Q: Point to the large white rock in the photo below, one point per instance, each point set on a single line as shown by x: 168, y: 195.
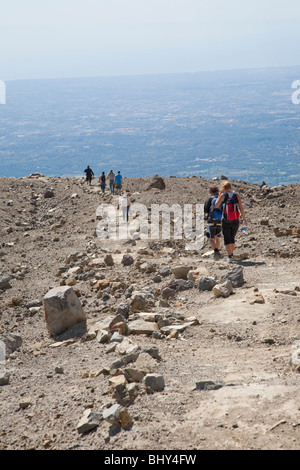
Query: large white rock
x: 62, y: 309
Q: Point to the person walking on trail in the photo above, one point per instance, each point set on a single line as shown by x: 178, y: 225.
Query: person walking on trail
x: 89, y: 175
x: 232, y: 209
x: 214, y: 221
x: 118, y: 182
x: 102, y: 181
x: 111, y: 179
x: 125, y: 207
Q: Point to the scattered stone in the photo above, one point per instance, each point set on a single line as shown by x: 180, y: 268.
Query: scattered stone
x: 153, y: 351
x: 136, y: 375
x: 206, y: 283
x: 90, y: 420
x: 62, y: 309
x: 108, y: 260
x: 142, y: 327
x: 112, y: 414
x: 142, y: 300
x: 257, y: 299
x: 236, y: 277
x: 123, y: 309
x: 157, y: 183
x: 125, y: 419
x: 146, y: 363
x: 264, y: 222
x: 4, y: 283
x: 223, y: 290
x: 167, y: 292
x: 12, y: 342
x: 117, y: 415
x: 4, y: 378
x: 164, y: 271
x: 208, y: 385
x: 127, y: 260
x: 117, y: 380
x: 154, y: 382
x: 48, y: 193
x: 180, y: 272
x: 103, y: 336
x: 177, y: 285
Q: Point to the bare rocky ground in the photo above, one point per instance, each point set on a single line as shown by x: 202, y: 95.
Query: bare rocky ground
x: 229, y: 364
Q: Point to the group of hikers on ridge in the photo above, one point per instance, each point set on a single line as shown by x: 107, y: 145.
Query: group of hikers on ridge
x: 115, y: 187
x: 223, y: 209
x: 115, y: 180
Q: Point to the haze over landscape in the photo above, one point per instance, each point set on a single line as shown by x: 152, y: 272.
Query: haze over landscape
x: 170, y: 87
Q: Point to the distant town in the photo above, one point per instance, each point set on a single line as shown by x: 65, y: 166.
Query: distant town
x: 240, y: 123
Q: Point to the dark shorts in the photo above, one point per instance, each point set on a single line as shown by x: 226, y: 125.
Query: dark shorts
x: 229, y: 230
x: 213, y: 231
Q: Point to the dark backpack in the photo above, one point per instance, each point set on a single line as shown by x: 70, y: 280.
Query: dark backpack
x: 230, y: 210
x: 215, y: 213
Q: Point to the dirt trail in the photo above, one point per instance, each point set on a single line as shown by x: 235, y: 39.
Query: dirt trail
x: 241, y: 345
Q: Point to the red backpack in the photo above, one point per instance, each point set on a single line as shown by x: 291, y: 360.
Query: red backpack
x: 230, y: 211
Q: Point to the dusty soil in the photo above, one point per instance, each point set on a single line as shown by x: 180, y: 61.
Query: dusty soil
x: 244, y: 346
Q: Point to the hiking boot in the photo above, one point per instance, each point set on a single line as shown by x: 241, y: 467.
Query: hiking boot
x: 217, y: 255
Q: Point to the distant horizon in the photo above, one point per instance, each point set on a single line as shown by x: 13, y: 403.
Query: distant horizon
x: 83, y: 77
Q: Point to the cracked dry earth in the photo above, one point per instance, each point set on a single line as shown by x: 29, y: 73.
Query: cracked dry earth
x: 242, y: 345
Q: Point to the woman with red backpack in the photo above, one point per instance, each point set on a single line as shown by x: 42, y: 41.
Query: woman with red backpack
x: 232, y: 209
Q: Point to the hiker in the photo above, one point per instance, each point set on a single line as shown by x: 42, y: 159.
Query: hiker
x: 118, y: 182
x: 102, y: 180
x: 111, y: 179
x: 232, y: 209
x: 214, y: 223
x: 89, y: 175
x: 125, y: 203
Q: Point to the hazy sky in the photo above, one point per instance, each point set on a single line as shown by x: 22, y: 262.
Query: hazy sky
x: 83, y: 38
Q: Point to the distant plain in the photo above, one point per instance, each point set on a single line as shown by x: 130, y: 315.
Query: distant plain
x: 239, y: 123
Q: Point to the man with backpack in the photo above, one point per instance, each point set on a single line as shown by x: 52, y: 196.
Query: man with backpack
x: 232, y: 209
x: 89, y: 175
x: 214, y: 221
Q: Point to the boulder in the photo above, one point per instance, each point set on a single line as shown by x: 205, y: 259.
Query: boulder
x: 117, y: 415
x: 164, y: 271
x: 167, y: 292
x: 123, y: 309
x: 108, y: 260
x: 48, y: 193
x: 236, y: 277
x: 4, y: 282
x: 11, y: 342
x: 178, y: 285
x: 90, y: 420
x: 223, y: 290
x: 206, y: 283
x: 62, y: 309
x: 4, y: 378
x: 154, y: 382
x: 157, y: 183
x: 127, y: 260
x: 142, y: 327
x: 180, y: 272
